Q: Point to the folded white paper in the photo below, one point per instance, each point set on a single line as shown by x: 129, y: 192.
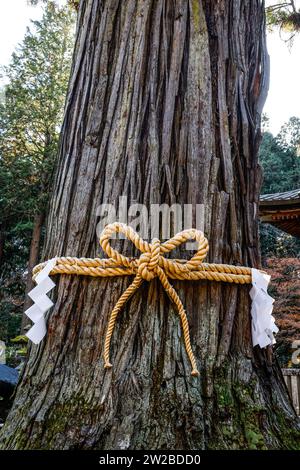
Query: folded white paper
x: 263, y: 323
x: 42, y: 303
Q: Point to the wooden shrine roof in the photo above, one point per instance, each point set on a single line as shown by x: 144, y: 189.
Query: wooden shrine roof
x: 282, y: 210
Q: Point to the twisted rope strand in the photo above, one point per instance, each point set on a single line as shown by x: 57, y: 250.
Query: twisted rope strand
x: 113, y: 316
x: 184, y: 321
x: 212, y: 272
x: 149, y: 265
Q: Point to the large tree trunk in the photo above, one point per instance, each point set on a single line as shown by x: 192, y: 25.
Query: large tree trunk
x: 34, y: 253
x: 164, y: 106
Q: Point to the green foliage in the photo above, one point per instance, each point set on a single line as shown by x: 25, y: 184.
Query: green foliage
x: 19, y: 339
x: 279, y: 158
x: 72, y: 3
x: 284, y: 15
x: 278, y: 244
x: 10, y: 317
x: 289, y: 137
x: 31, y: 113
x: 30, y: 118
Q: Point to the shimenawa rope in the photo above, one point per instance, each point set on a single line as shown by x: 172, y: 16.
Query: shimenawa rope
x: 149, y: 265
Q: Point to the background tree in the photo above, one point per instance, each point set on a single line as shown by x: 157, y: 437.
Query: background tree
x: 30, y: 119
x: 164, y: 105
x: 280, y: 160
x: 286, y: 16
x: 289, y: 139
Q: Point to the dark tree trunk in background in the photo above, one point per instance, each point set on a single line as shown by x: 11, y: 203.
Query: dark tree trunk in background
x: 33, y: 261
x: 164, y: 106
x: 2, y: 241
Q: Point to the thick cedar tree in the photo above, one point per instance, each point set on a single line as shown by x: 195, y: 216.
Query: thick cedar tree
x: 164, y: 106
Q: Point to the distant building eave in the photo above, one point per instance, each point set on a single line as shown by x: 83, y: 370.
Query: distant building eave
x: 282, y: 210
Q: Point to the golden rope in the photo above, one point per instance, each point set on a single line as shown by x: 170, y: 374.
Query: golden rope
x: 149, y: 265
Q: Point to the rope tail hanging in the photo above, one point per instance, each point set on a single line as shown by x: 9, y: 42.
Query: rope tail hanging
x: 149, y: 265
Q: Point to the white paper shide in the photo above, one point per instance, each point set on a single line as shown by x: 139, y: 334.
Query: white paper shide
x: 263, y: 322
x: 42, y: 303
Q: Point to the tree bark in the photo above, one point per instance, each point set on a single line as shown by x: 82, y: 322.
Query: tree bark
x: 33, y: 261
x: 164, y: 106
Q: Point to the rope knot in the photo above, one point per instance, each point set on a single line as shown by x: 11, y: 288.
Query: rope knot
x: 149, y: 265
x: 148, y: 262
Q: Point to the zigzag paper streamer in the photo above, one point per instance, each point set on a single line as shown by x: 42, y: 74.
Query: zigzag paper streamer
x: 263, y: 322
x: 42, y: 303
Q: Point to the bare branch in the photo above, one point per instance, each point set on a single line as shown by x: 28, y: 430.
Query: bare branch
x: 278, y: 6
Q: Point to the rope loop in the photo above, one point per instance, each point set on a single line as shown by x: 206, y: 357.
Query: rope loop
x: 149, y: 265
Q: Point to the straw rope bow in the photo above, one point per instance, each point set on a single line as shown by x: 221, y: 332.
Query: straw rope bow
x: 149, y: 265
x: 152, y: 264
